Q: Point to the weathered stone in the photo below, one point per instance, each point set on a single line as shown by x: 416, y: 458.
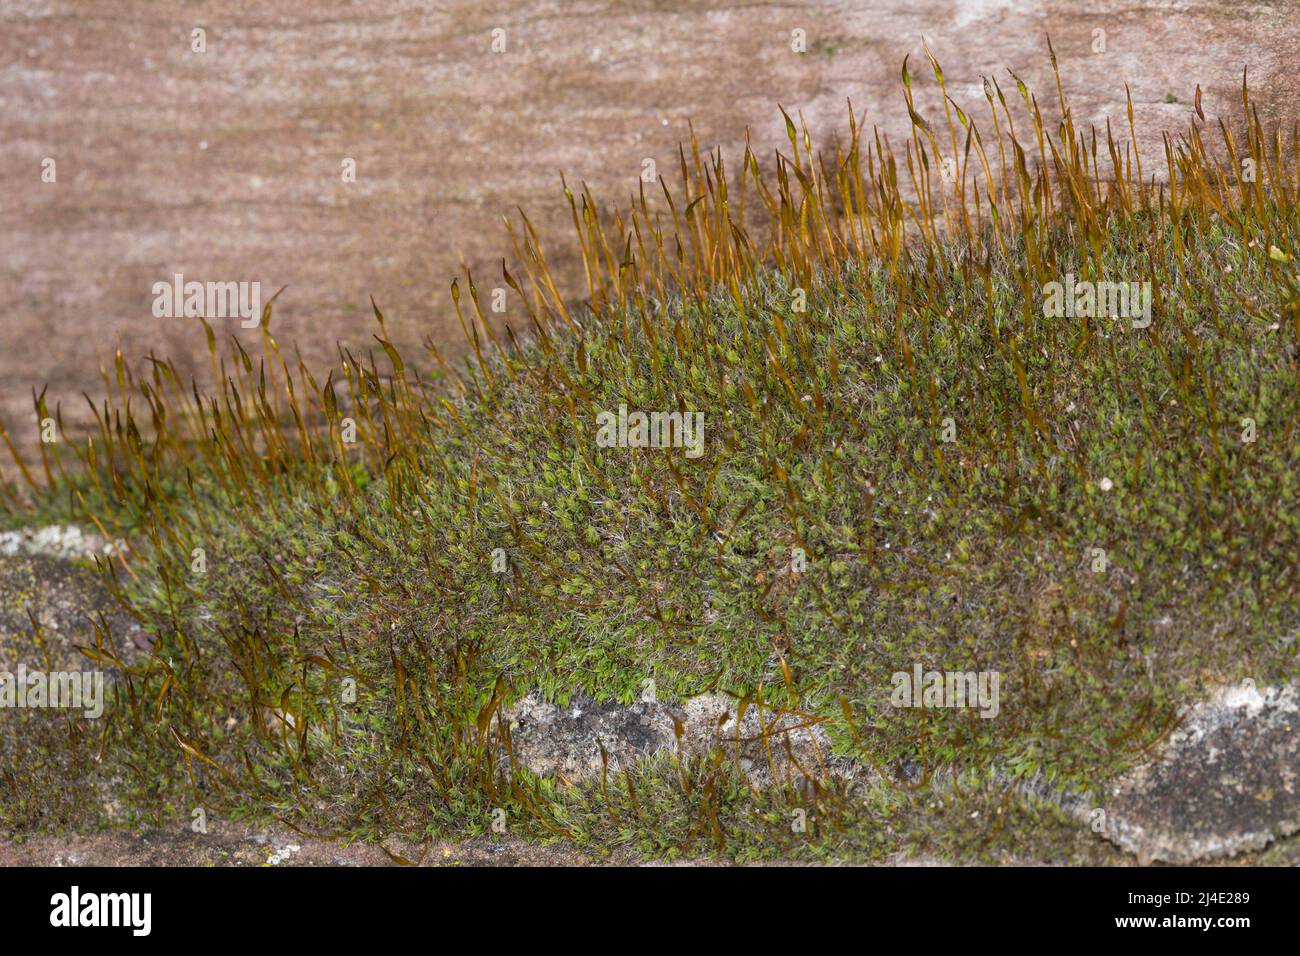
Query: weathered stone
x: 65, y: 599
x: 567, y: 741
x: 1226, y: 782
x: 768, y: 747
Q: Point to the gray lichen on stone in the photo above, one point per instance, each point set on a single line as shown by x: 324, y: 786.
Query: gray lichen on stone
x: 768, y: 747
x: 1224, y: 783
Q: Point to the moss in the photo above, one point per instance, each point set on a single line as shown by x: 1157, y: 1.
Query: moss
x: 335, y: 627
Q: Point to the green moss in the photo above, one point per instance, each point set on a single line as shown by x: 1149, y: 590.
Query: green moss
x: 328, y: 565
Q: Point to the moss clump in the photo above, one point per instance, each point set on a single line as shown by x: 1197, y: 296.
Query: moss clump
x: 906, y: 461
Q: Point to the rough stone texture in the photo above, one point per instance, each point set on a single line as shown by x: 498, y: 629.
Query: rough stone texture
x: 566, y: 741
x: 768, y: 749
x: 1226, y: 782
x: 65, y: 598
x: 226, y: 165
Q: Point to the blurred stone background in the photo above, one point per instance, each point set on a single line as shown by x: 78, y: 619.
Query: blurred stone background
x: 225, y: 165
